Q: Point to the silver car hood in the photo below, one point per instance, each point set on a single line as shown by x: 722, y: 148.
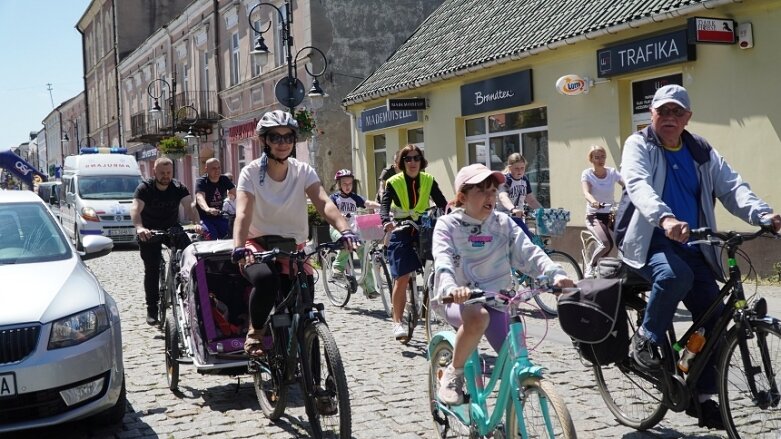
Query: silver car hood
x: 46, y: 291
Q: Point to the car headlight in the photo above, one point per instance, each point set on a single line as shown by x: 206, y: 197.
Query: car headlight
x: 78, y: 328
x: 89, y: 214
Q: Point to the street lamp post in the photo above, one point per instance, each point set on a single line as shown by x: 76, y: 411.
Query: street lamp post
x: 74, y: 124
x: 156, y: 93
x: 289, y: 91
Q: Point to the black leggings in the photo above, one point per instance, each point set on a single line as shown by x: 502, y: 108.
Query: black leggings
x: 269, y: 288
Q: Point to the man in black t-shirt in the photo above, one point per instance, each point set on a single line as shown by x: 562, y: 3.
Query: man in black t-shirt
x: 156, y: 207
x: 386, y: 173
x: 211, y: 190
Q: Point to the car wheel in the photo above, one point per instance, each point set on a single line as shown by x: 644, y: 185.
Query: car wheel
x: 116, y: 413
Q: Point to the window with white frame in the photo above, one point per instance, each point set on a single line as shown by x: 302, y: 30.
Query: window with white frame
x: 205, y: 71
x: 234, y: 59
x: 491, y: 139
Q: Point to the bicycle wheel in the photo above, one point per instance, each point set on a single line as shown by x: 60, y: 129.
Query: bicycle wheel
x: 544, y: 412
x: 382, y: 282
x: 548, y: 302
x: 329, y: 408
x: 439, y: 359
x: 435, y: 321
x: 269, y: 380
x: 748, y: 414
x: 632, y: 395
x: 412, y: 307
x: 172, y: 351
x: 337, y: 289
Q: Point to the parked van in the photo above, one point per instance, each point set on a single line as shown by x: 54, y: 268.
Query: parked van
x: 98, y: 193
x: 50, y: 194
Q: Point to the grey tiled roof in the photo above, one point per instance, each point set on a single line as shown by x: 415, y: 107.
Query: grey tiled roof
x: 463, y: 35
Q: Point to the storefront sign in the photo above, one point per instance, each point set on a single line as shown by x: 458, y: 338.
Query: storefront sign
x: 245, y: 130
x: 498, y: 93
x: 711, y: 30
x: 380, y: 117
x: 406, y: 104
x: 643, y: 91
x: 644, y: 54
x: 571, y: 85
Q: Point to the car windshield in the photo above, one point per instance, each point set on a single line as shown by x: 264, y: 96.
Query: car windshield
x: 115, y: 187
x: 29, y: 234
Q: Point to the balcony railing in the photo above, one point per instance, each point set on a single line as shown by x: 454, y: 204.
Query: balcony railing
x: 149, y: 129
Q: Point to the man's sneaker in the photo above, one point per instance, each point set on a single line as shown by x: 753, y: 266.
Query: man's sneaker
x: 371, y: 294
x: 400, y: 332
x: 451, y: 387
x: 591, y: 272
x: 709, y: 414
x: 644, y: 352
x: 151, y: 317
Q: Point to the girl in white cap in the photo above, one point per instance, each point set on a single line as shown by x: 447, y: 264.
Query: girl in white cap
x: 476, y: 247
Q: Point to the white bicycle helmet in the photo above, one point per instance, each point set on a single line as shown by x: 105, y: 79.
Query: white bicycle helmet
x: 343, y: 173
x: 276, y: 118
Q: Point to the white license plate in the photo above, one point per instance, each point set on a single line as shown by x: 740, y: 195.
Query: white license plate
x: 7, y: 384
x: 120, y: 232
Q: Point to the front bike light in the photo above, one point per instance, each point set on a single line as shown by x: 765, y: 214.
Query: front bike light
x: 759, y: 307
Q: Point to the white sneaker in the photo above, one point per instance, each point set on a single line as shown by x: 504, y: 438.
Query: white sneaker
x: 451, y: 387
x: 400, y: 332
x: 337, y: 275
x: 591, y: 272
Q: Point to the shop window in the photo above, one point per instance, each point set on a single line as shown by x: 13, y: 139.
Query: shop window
x: 380, y: 157
x: 523, y: 132
x: 415, y: 137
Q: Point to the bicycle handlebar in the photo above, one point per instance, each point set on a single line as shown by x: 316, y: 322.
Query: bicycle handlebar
x: 705, y: 235
x: 504, y: 297
x: 270, y: 255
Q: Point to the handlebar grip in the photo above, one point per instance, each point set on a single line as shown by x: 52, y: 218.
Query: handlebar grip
x: 473, y: 295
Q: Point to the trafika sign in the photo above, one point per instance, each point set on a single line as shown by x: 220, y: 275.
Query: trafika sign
x: 572, y: 85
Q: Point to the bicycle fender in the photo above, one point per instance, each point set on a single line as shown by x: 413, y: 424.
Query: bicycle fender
x: 448, y: 336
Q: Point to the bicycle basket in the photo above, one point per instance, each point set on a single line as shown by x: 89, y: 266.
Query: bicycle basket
x: 552, y: 222
x: 369, y: 227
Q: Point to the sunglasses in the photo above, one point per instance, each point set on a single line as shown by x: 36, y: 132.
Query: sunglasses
x: 412, y: 158
x: 278, y: 138
x: 667, y: 111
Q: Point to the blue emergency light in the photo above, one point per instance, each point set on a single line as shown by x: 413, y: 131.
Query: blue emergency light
x: 102, y: 150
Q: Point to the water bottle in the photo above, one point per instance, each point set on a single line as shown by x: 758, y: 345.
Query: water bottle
x: 693, y: 347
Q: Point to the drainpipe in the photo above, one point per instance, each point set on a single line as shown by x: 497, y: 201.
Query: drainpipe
x: 120, y: 133
x: 218, y: 78
x: 84, y: 79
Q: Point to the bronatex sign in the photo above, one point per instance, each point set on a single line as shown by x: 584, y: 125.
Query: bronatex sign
x: 497, y: 93
x: 660, y: 50
x: 380, y: 117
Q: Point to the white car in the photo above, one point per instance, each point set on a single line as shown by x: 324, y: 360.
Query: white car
x: 60, y: 337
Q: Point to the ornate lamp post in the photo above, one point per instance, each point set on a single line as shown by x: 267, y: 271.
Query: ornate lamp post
x: 187, y: 114
x: 289, y: 91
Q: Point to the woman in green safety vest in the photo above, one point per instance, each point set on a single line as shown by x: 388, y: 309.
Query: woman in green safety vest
x: 407, y: 195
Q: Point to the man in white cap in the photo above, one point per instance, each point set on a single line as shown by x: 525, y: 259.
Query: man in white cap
x: 672, y: 179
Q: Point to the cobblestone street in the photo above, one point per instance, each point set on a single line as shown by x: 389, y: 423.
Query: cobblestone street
x: 387, y: 380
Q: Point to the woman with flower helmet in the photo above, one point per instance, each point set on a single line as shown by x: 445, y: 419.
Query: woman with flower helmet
x: 348, y: 203
x: 271, y: 202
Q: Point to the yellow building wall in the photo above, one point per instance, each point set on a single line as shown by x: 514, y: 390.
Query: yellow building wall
x: 735, y: 101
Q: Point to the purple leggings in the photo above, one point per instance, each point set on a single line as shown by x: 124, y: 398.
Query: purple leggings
x: 497, y: 327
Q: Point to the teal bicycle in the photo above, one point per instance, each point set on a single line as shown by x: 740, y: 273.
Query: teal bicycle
x: 527, y: 405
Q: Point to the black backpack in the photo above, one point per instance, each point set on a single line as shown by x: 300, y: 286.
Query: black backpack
x: 593, y: 316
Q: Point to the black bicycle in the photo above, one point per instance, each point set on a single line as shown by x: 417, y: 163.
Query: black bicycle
x: 748, y: 343
x: 169, y: 267
x: 302, y: 349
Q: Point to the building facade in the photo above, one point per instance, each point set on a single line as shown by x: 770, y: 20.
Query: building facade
x: 550, y: 81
